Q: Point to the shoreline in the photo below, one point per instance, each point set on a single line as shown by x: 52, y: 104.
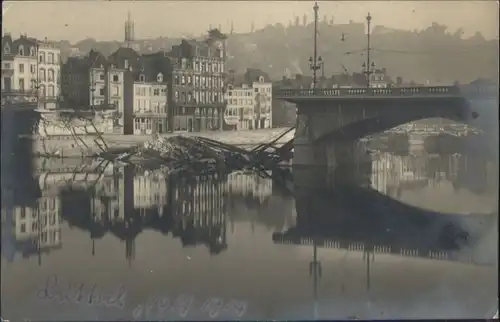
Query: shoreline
x: 66, y: 146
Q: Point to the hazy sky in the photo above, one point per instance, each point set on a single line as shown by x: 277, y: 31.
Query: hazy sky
x: 103, y: 20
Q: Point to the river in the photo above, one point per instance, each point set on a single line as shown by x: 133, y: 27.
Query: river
x: 83, y: 241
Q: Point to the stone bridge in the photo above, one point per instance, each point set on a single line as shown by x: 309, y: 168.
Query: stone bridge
x: 326, y: 117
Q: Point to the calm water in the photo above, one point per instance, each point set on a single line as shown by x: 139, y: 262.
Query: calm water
x: 94, y: 242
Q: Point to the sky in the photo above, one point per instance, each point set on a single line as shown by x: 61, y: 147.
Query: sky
x: 103, y: 20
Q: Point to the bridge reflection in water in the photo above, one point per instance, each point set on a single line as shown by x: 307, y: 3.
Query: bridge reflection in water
x: 363, y: 214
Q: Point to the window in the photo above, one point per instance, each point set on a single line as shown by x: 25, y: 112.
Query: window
x: 51, y: 75
x: 183, y: 80
x: 50, y: 58
x: 101, y: 76
x: 101, y: 91
x: 6, y: 49
x: 176, y: 95
x: 116, y: 90
x: 156, y: 92
x: 33, y: 69
x: 21, y: 68
x: 50, y: 90
x: 21, y: 50
x: 32, y: 51
x: 42, y: 58
x: 23, y: 228
x: 159, y: 78
x: 42, y: 74
x: 116, y: 103
x: 21, y: 84
x: 116, y: 78
x: 42, y: 90
x: 126, y: 63
x: 189, y: 80
x: 141, y: 78
x: 137, y: 91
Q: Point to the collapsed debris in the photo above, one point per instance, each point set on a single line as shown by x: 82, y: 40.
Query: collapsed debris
x: 199, y: 155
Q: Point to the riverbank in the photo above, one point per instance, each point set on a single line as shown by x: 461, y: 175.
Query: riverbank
x: 87, y: 145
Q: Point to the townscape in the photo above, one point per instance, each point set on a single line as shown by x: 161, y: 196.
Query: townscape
x: 311, y: 169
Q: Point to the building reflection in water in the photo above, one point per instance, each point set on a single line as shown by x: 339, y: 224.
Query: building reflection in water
x: 391, y: 174
x: 123, y: 202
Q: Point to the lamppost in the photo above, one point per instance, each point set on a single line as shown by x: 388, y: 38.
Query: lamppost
x: 315, y: 62
x: 369, y: 65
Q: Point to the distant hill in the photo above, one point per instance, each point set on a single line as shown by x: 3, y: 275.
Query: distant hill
x: 433, y: 54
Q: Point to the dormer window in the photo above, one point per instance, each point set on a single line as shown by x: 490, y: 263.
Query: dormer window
x: 159, y: 78
x: 142, y: 78
x: 102, y: 66
x: 126, y: 63
x: 21, y: 50
x: 261, y: 79
x: 6, y: 49
x: 32, y: 51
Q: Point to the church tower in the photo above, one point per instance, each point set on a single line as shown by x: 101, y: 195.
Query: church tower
x: 129, y: 30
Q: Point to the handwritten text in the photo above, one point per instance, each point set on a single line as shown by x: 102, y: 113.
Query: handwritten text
x: 79, y: 293
x: 158, y: 308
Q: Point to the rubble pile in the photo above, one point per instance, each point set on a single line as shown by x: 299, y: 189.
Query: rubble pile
x: 195, y: 155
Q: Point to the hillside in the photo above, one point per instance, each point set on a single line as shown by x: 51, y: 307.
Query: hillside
x: 433, y: 54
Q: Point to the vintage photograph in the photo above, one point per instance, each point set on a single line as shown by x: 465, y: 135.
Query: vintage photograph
x: 249, y: 160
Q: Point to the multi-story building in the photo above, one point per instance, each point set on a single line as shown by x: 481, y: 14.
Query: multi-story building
x: 250, y: 101
x: 198, y: 83
x: 83, y: 81
x: 380, y: 79
x: 49, y: 75
x: 19, y: 68
x: 31, y: 70
x: 97, y: 82
x: 239, y: 106
x: 151, y: 94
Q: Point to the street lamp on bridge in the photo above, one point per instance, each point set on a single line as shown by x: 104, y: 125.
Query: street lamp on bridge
x: 315, y: 62
x: 369, y: 66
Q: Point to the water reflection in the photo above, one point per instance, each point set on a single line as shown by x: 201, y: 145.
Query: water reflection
x: 140, y: 224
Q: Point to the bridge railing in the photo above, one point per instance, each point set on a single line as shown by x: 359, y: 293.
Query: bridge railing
x: 369, y: 92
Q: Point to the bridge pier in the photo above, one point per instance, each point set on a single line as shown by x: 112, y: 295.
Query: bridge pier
x: 328, y: 165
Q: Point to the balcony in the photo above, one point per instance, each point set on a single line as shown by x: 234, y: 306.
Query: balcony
x: 7, y: 71
x: 142, y: 113
x: 19, y: 92
x: 50, y: 99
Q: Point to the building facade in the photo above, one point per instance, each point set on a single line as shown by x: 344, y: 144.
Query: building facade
x: 49, y: 75
x: 198, y: 83
x: 249, y: 102
x: 240, y: 106
x: 380, y: 79
x: 19, y: 69
x: 152, y: 94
